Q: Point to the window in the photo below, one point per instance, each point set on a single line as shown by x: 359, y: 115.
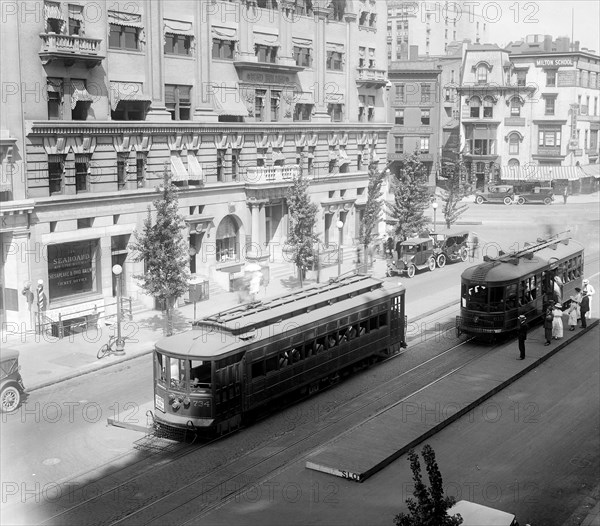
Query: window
x: 55, y: 176
x: 515, y: 107
x: 259, y: 104
x: 302, y: 56
x: 475, y: 104
x: 361, y: 108
x: 123, y: 37
x: 121, y: 172
x: 267, y: 4
x: 227, y: 240
x: 549, y: 137
x: 335, y: 112
x: 399, y: 118
x: 75, y: 19
x: 482, y: 74
x: 178, y: 102
x: 55, y: 98
x: 424, y: 144
x: 302, y: 112
x: 371, y: 108
x: 334, y: 60
x: 399, y: 144
x: 551, y: 78
x: 221, y: 164
x: 235, y: 162
x: 275, y: 103
x: 303, y: 7
x: 73, y: 259
x: 223, y: 49
x: 488, y: 108
x: 364, y: 17
x: 425, y: 93
x: 82, y: 173
x: 266, y: 53
x: 425, y: 117
x: 399, y: 92
x: 373, y: 20
x: 513, y: 144
x: 177, y: 44
x: 140, y: 169
x: 129, y: 110
x: 521, y: 77
x: 482, y: 146
x: 549, y: 106
x: 595, y: 106
x: 85, y: 222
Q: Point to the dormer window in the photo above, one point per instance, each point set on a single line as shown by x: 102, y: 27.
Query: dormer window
x: 482, y: 74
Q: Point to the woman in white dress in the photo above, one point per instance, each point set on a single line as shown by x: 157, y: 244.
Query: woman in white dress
x: 557, y: 324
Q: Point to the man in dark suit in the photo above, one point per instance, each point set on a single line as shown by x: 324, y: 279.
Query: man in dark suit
x: 522, y: 334
x: 584, y: 307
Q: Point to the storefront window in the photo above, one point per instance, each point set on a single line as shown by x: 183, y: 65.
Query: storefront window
x: 72, y: 268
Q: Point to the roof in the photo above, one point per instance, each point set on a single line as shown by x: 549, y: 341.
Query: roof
x: 477, y: 515
x: 415, y: 241
x: 8, y: 354
x: 507, y: 268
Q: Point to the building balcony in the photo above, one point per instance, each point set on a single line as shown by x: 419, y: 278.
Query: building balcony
x: 549, y: 151
x: 271, y: 174
x: 70, y: 49
x: 591, y: 153
x: 371, y: 78
x: 250, y: 62
x: 514, y: 121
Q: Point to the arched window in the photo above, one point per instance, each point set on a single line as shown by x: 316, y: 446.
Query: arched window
x: 475, y: 104
x: 514, y: 163
x: 482, y: 74
x: 513, y: 144
x: 227, y: 240
x: 488, y: 108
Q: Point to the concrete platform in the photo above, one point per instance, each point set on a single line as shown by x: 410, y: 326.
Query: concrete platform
x: 136, y: 421
x: 367, y: 448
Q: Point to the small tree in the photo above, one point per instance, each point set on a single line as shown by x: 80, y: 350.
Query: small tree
x: 411, y: 198
x: 456, y: 189
x: 430, y: 506
x: 303, y: 221
x: 372, y: 215
x: 164, y: 250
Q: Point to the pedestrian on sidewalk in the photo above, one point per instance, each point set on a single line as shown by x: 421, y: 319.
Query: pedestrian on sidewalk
x: 572, y: 311
x: 590, y: 291
x: 585, y: 308
x: 577, y: 300
x: 565, y: 194
x: 557, y: 324
x: 522, y: 334
x: 548, y: 319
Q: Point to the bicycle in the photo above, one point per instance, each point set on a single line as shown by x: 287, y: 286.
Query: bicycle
x: 111, y: 346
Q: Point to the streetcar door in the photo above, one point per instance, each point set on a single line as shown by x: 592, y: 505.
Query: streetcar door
x: 229, y: 386
x: 397, y: 320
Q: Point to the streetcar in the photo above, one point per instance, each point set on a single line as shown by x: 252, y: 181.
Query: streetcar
x: 496, y: 292
x: 215, y: 377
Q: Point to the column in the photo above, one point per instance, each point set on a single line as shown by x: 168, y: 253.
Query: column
x: 254, y: 207
x: 248, y: 15
x: 285, y: 56
x: 203, y: 110
x: 320, y: 11
x: 262, y: 225
x: 351, y: 108
x: 155, y: 65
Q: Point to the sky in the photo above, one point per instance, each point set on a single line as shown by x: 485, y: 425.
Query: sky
x: 518, y: 18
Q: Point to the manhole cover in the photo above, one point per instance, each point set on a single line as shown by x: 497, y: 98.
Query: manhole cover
x: 51, y: 461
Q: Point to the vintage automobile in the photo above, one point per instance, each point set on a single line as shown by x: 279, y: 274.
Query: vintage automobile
x: 11, y: 383
x: 533, y: 193
x: 450, y: 247
x: 412, y: 255
x: 501, y: 193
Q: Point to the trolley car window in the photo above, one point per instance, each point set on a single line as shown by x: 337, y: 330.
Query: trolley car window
x: 511, y: 296
x: 478, y: 297
x: 161, y: 369
x: 258, y: 369
x: 496, y: 299
x: 177, y: 377
x: 199, y: 374
x: 382, y: 320
x: 271, y: 364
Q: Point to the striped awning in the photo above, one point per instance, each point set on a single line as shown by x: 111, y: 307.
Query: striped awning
x: 591, y: 170
x: 52, y: 10
x: 126, y: 91
x: 226, y: 101
x: 178, y: 27
x: 541, y: 173
x: 194, y: 168
x: 178, y: 171
x: 343, y: 159
x: 125, y: 19
x: 79, y: 93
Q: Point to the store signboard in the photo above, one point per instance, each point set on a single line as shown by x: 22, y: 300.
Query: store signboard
x: 553, y: 62
x: 71, y: 268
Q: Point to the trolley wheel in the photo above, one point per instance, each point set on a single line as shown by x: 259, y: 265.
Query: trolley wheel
x: 464, y: 254
x: 10, y: 399
x: 441, y: 261
x: 547, y: 200
x: 507, y: 201
x: 521, y: 201
x: 431, y: 263
x: 103, y: 351
x: 479, y: 200
x: 411, y: 271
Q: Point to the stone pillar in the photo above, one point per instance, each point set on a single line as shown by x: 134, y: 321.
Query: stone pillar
x: 350, y: 108
x: 203, y: 110
x: 254, y: 207
x: 248, y: 15
x: 155, y: 61
x: 287, y: 15
x: 321, y: 11
x: 262, y: 225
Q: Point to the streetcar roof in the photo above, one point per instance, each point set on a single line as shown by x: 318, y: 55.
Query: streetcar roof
x: 415, y: 241
x: 209, y: 342
x: 8, y: 354
x: 506, y: 268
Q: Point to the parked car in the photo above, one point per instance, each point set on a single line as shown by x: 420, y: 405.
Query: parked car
x: 450, y: 247
x: 412, y: 255
x: 11, y: 383
x: 534, y: 193
x: 501, y: 193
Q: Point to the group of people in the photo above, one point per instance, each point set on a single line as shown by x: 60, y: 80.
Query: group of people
x: 579, y: 309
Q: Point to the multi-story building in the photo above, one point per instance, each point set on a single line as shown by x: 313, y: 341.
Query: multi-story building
x: 414, y: 110
x: 98, y: 99
x: 432, y: 26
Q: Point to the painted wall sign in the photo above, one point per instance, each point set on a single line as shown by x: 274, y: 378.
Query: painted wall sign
x: 71, y: 268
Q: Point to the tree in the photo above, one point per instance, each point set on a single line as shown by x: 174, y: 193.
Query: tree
x: 163, y: 248
x: 430, y: 506
x: 303, y: 220
x: 370, y: 220
x: 457, y: 188
x: 411, y: 198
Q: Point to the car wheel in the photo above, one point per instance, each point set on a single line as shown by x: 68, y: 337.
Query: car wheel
x: 547, y: 200
x: 431, y: 263
x: 507, y: 201
x: 479, y: 200
x: 441, y: 260
x: 10, y: 399
x: 411, y: 271
x: 464, y: 254
x: 521, y: 200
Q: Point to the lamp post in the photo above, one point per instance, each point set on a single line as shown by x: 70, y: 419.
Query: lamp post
x: 118, y: 271
x: 340, y: 226
x: 434, y: 205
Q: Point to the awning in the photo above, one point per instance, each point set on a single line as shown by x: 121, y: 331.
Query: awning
x: 541, y: 173
x: 79, y: 93
x: 226, y: 101
x: 52, y: 10
x: 54, y: 85
x: 177, y: 27
x: 76, y: 12
x: 304, y: 97
x: 194, y: 168
x: 278, y: 156
x: 178, y: 171
x: 266, y: 39
x: 223, y: 33
x: 301, y: 42
x: 343, y: 159
x: 332, y: 46
x: 126, y: 91
x: 591, y: 170
x: 125, y: 19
